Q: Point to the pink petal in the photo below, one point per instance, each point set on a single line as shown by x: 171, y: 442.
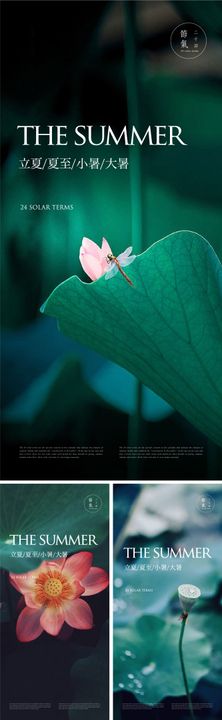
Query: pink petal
x: 28, y: 626
x: 23, y: 583
x: 91, y: 247
x: 13, y: 581
x: 52, y: 564
x: 91, y: 265
x: 30, y: 600
x: 52, y: 620
x: 47, y: 565
x: 105, y: 266
x: 76, y: 587
x: 79, y: 565
x: 96, y: 581
x: 79, y: 615
x: 106, y: 249
x: 20, y: 603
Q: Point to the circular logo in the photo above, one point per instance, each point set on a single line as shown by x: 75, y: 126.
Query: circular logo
x: 188, y: 41
x: 206, y: 503
x: 92, y: 503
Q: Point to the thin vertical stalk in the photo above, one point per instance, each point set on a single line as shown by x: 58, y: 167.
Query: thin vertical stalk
x: 135, y: 175
x: 183, y: 623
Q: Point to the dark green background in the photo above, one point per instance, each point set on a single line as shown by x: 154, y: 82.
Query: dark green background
x: 63, y: 63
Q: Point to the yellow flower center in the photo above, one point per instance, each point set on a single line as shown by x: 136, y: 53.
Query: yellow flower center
x: 53, y: 587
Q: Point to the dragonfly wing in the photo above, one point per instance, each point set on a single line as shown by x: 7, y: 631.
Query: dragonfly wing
x: 124, y: 255
x: 127, y: 260
x: 113, y: 270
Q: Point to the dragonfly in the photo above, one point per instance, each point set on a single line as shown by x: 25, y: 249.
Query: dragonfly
x: 116, y: 264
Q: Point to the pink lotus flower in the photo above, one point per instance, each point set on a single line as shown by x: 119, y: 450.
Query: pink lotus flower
x: 93, y: 258
x: 52, y: 594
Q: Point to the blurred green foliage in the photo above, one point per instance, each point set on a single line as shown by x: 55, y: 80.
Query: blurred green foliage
x: 146, y: 659
x: 36, y: 509
x: 199, y: 12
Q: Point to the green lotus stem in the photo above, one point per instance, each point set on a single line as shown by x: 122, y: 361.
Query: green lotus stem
x: 183, y: 623
x: 135, y: 176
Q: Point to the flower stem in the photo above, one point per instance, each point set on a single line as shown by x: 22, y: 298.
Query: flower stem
x: 135, y: 177
x: 183, y: 623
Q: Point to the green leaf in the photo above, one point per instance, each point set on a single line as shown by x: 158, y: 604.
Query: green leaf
x: 59, y: 509
x: 146, y: 659
x: 166, y: 329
